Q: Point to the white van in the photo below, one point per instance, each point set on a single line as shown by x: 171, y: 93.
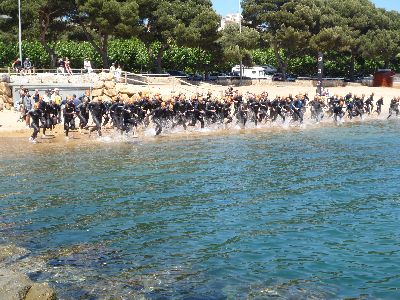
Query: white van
x: 257, y: 72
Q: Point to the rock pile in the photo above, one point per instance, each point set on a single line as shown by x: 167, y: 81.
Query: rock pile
x: 6, y: 101
x: 106, y: 88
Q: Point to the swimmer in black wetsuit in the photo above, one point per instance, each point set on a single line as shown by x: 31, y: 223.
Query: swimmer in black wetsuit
x: 35, y: 115
x: 394, y: 107
x: 69, y: 114
x: 158, y: 115
x: 97, y: 109
x: 379, y: 105
x: 82, y: 112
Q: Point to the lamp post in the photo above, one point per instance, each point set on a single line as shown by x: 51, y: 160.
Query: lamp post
x: 19, y: 31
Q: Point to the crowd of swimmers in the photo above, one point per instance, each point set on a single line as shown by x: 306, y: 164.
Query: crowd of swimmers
x: 128, y: 115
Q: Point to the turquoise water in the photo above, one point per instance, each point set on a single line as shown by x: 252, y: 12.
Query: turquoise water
x: 288, y: 214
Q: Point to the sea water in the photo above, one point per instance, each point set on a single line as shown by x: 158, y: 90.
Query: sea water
x: 309, y: 213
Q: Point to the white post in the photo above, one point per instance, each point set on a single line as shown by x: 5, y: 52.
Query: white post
x: 19, y: 32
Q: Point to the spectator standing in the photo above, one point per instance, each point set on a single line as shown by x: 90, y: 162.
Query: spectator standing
x: 27, y: 66
x: 87, y: 66
x: 112, y: 68
x: 27, y: 101
x: 61, y: 66
x: 67, y: 66
x: 117, y: 74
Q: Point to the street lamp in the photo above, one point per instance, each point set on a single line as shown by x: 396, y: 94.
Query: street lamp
x: 19, y: 31
x: 5, y: 17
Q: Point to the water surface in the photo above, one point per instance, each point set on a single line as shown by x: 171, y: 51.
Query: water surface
x: 300, y: 214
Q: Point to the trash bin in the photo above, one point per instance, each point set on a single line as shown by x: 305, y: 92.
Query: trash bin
x: 383, y: 78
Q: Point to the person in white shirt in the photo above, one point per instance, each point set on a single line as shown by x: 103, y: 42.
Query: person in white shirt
x: 117, y: 74
x: 112, y: 68
x: 87, y: 66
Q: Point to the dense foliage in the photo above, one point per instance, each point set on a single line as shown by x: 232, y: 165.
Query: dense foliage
x: 156, y: 35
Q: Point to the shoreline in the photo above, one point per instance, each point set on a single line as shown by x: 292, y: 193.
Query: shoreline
x: 10, y: 127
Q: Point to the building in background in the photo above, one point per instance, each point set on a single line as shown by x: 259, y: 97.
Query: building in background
x: 230, y: 19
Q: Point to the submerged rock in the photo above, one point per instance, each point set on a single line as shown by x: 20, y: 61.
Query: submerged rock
x: 41, y: 291
x: 9, y: 253
x: 13, y: 285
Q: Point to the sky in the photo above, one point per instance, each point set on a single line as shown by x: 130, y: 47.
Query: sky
x: 224, y: 7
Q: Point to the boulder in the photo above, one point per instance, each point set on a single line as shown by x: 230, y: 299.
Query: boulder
x: 130, y: 90
x: 110, y: 92
x: 41, y: 291
x: 97, y: 92
x: 8, y: 106
x: 7, y: 99
x: 109, y: 85
x: 106, y: 98
x: 13, y: 285
x: 106, y: 76
x: 124, y: 97
x: 5, y: 89
x: 98, y: 85
x: 120, y: 86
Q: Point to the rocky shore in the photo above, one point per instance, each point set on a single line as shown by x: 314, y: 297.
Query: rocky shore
x: 14, y: 283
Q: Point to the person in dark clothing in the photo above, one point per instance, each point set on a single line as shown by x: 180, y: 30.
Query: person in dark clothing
x: 97, y: 109
x: 69, y: 115
x: 116, y: 114
x: 369, y: 104
x: 242, y: 114
x: 82, y: 112
x: 35, y: 115
x: 158, y: 115
x: 394, y: 107
x: 198, y: 111
x: 338, y: 110
x: 379, y: 105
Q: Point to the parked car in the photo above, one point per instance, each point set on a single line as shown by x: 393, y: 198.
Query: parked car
x: 178, y: 74
x: 195, y: 77
x: 216, y: 75
x: 279, y: 77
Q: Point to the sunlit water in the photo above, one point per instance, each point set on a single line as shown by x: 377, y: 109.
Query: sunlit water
x: 300, y: 214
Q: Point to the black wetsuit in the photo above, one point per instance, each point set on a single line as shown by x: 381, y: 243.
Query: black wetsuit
x: 394, y: 107
x: 83, y: 114
x: 69, y: 111
x: 379, y: 104
x: 97, y: 110
x: 35, y: 115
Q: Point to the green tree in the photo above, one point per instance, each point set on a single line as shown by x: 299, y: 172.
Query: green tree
x: 237, y: 43
x: 285, y: 24
x: 191, y: 23
x: 381, y: 45
x: 102, y: 19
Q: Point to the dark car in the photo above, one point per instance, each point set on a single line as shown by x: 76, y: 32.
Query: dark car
x: 279, y: 77
x: 195, y: 77
x: 178, y: 74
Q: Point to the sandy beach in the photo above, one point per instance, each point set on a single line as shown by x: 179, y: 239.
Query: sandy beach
x: 11, y: 126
